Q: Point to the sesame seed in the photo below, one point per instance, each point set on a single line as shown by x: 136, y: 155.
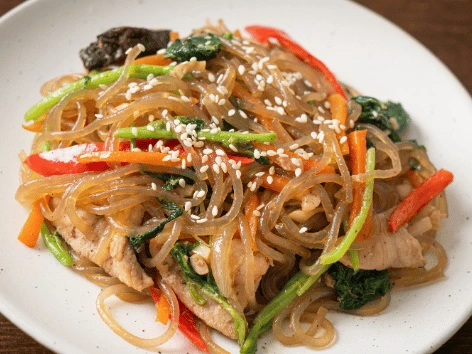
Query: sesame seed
x: 203, y: 169
x: 278, y: 100
x: 224, y: 168
x: 253, y: 187
x: 259, y: 174
x: 313, y: 135
x: 241, y: 69
x: 272, y: 170
x: 295, y: 161
x: 201, y: 193
x: 220, y: 152
x: 134, y: 131
x: 271, y: 66
x: 195, y: 217
x: 211, y: 77
x: 270, y: 179
x: 270, y: 79
x: 189, y: 157
x: 293, y: 146
x: 184, y: 164
x: 185, y: 98
x: 214, y: 211
x: 204, y: 158
x: 256, y: 213
x: 161, y: 51
x: 154, y: 186
x: 303, y: 230
x: 249, y: 50
x: 267, y: 102
x: 167, y: 158
x: 128, y: 95
x: 298, y: 172
x: 221, y: 102
x: 260, y: 206
x: 238, y: 174
x: 280, y: 151
x: 182, y: 181
x: 257, y: 154
x: 231, y: 112
x: 243, y: 114
x: 216, y: 168
x: 232, y: 147
x: 187, y: 206
x: 343, y: 139
x: 280, y: 111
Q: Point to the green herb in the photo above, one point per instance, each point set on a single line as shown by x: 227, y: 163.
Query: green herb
x: 88, y: 82
x: 228, y: 36
x: 207, y: 286
x: 53, y: 243
x: 357, y: 288
x: 202, y: 47
x: 186, y: 120
x: 187, y: 76
x: 174, y: 212
x: 414, y: 163
x: 246, y: 148
x: 382, y: 115
x: 296, y: 286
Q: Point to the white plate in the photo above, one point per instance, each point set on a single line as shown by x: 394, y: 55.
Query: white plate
x: 41, y: 40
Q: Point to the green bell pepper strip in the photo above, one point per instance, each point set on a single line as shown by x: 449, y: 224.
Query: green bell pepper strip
x: 93, y: 81
x: 54, y: 245
x: 335, y: 254
x: 296, y: 286
x: 157, y: 130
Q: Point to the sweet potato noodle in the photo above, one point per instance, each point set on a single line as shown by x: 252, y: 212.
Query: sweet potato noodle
x: 228, y: 87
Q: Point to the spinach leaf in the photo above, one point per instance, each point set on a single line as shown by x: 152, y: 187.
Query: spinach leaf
x: 357, y: 288
x: 171, y: 180
x: 386, y: 116
x: 174, y: 212
x: 206, y: 285
x: 202, y: 47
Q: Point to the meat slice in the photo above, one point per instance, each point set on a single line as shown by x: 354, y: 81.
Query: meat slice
x: 111, y: 46
x: 118, y: 260
x: 212, y: 313
x: 392, y: 250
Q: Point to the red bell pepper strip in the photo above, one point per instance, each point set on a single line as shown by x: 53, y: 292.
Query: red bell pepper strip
x: 66, y: 160
x: 187, y: 323
x: 263, y: 33
x: 419, y: 197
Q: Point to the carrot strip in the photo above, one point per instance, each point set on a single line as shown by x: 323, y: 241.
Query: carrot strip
x: 156, y: 59
x: 358, y: 153
x: 148, y: 158
x: 338, y: 107
x: 414, y: 178
x: 278, y: 183
x: 30, y: 231
x: 163, y: 310
x: 418, y: 198
x: 174, y: 36
x: 36, y: 127
x: 252, y: 218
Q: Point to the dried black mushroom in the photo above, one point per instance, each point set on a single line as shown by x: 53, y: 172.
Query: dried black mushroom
x: 111, y: 46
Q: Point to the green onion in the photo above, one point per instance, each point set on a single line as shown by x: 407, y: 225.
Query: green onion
x: 296, y: 286
x: 335, y: 255
x: 157, y: 130
x: 54, y: 245
x: 94, y: 81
